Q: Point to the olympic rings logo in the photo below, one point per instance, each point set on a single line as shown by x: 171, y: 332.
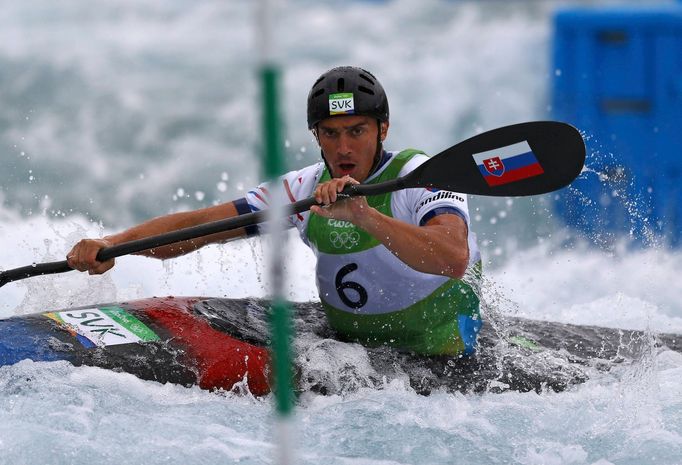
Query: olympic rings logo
x: 345, y: 240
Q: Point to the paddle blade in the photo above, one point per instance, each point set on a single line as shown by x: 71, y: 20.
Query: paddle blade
x: 522, y: 159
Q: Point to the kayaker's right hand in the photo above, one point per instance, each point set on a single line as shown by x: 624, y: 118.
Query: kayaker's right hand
x: 82, y: 256
x: 350, y: 209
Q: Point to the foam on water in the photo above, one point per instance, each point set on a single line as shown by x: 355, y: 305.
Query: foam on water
x: 92, y: 415
x: 85, y: 414
x: 630, y: 290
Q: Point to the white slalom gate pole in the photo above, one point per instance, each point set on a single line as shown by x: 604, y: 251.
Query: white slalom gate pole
x: 274, y: 166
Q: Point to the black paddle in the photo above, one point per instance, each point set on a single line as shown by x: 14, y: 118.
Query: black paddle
x: 494, y: 163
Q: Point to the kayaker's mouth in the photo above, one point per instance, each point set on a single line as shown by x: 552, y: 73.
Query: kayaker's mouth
x: 345, y: 168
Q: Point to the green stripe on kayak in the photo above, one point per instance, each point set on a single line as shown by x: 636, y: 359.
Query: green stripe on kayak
x: 130, y: 323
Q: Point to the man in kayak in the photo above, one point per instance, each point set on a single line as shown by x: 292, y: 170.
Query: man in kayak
x: 400, y: 269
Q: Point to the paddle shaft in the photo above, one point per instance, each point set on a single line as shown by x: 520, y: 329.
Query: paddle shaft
x: 185, y: 234
x: 557, y: 147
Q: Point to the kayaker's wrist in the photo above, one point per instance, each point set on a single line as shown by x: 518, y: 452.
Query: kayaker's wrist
x: 369, y: 220
x: 115, y: 239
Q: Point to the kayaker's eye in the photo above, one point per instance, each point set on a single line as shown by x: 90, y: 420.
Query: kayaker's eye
x: 329, y: 133
x: 357, y: 131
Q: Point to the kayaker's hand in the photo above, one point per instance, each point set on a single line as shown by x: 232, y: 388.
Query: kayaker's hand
x: 82, y: 256
x: 349, y: 209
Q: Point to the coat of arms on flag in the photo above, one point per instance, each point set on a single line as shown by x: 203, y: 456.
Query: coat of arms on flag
x: 494, y: 166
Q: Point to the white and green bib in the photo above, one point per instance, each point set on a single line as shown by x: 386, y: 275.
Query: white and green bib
x: 372, y: 297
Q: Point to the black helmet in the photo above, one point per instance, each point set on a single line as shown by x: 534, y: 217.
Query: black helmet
x: 346, y: 90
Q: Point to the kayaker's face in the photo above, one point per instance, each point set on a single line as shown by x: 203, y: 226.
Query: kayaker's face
x: 349, y: 144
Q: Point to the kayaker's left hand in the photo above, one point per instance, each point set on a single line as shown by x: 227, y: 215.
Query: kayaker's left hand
x: 346, y: 209
x: 82, y: 256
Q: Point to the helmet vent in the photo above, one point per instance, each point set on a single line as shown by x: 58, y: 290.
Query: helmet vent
x: 320, y: 79
x: 341, y: 84
x: 318, y: 92
x: 366, y: 90
x: 366, y: 78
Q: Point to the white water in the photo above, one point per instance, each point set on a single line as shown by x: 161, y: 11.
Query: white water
x: 117, y: 106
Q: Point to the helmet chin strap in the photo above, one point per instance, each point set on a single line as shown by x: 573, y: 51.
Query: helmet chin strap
x: 317, y: 138
x: 380, y: 149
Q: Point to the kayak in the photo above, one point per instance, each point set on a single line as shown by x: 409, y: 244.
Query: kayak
x: 161, y: 339
x: 222, y: 344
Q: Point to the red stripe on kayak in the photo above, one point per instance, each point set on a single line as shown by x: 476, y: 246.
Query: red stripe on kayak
x: 222, y: 360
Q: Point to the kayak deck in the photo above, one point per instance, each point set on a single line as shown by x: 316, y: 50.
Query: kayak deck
x: 222, y: 344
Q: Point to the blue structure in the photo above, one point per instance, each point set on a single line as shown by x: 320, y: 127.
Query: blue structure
x: 618, y: 78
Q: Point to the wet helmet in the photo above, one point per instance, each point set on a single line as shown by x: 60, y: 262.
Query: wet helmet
x: 346, y: 90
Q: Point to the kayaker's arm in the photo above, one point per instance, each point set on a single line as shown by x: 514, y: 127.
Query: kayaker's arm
x: 439, y: 247
x: 177, y: 221
x: 82, y: 255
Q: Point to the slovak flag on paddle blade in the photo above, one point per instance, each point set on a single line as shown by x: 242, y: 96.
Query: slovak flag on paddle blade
x: 508, y: 164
